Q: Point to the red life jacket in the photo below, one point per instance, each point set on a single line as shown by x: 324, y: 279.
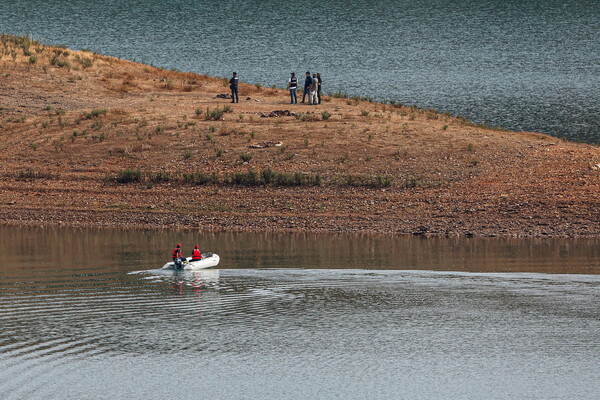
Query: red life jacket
x: 196, y: 255
x: 177, y: 253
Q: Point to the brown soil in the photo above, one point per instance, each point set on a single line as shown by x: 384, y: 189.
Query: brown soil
x: 382, y: 168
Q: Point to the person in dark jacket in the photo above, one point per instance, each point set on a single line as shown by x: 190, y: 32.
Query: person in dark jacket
x: 319, y: 87
x: 307, y: 85
x: 233, y: 85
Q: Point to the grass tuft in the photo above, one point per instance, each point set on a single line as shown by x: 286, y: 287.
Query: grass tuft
x: 245, y: 157
x: 214, y: 115
x: 129, y: 176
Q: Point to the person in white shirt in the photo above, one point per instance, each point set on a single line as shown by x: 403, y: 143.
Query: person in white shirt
x: 293, y: 86
x: 314, y: 89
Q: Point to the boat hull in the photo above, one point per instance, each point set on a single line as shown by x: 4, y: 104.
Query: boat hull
x: 208, y: 262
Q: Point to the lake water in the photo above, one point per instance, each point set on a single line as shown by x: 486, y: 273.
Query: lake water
x: 519, y: 64
x: 87, y: 314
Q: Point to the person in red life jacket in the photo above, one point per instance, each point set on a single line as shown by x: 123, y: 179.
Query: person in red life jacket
x: 196, y: 254
x: 177, y: 254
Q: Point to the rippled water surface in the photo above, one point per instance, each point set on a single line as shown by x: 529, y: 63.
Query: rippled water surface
x: 519, y: 64
x: 87, y: 314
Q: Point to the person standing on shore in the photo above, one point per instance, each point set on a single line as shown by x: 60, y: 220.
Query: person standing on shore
x: 233, y: 85
x: 307, y: 86
x: 293, y: 86
x: 314, y: 89
x: 319, y: 88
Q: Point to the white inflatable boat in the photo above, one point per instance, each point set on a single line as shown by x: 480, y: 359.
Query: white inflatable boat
x: 208, y: 260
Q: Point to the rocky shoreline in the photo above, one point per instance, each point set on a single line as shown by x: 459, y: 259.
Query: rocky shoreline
x: 294, y: 210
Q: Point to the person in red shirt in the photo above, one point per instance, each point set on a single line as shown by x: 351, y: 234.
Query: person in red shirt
x: 177, y: 253
x: 196, y: 254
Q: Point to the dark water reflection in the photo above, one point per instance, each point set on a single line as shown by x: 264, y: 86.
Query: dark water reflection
x: 86, y: 314
x: 132, y: 249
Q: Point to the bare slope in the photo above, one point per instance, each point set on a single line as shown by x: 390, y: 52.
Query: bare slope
x: 74, y: 123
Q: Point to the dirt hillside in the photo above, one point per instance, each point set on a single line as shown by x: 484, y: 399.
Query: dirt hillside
x: 90, y: 140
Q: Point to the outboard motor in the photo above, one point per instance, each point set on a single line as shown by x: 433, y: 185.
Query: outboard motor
x: 178, y: 264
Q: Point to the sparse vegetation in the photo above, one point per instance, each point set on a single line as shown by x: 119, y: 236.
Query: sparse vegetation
x: 129, y: 176
x: 295, y: 179
x: 18, y: 41
x: 214, y: 115
x: 245, y: 157
x: 85, y: 62
x: 338, y: 94
x: 96, y: 113
x: 248, y: 178
x: 60, y: 62
x: 305, y: 117
x: 31, y: 174
x: 362, y: 98
x: 410, y: 182
x: 242, y: 178
x: 269, y: 177
x: 200, y: 178
x: 97, y: 124
x: 378, y: 181
x: 160, y: 176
